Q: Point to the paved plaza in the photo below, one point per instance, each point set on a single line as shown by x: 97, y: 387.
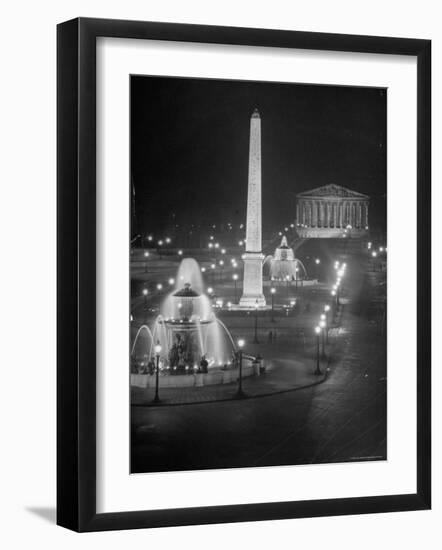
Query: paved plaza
x: 289, y: 414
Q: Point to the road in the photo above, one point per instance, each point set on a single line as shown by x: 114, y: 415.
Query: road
x: 343, y: 419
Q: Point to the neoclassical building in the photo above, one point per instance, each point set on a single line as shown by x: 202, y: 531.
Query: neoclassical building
x: 331, y: 211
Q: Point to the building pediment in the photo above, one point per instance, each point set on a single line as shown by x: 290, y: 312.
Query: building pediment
x: 332, y: 190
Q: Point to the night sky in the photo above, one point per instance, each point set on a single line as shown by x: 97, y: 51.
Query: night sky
x: 190, y: 139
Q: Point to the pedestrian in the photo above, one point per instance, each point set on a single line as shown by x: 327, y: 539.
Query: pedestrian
x: 270, y: 337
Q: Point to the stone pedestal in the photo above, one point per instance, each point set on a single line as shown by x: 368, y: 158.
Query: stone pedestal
x: 253, y: 294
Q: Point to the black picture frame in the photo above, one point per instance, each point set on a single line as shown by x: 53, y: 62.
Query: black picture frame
x: 76, y: 274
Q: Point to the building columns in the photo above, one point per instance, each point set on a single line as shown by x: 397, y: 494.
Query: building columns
x: 334, y: 214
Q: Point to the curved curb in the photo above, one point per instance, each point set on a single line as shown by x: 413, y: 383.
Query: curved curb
x: 233, y: 397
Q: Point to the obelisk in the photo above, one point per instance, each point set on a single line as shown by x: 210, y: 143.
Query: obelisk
x: 253, y: 296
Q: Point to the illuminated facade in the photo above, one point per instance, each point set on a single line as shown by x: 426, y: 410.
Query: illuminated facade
x: 332, y: 212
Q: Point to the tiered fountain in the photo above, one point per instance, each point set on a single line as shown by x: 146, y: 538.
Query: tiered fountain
x: 284, y: 266
x: 187, y: 328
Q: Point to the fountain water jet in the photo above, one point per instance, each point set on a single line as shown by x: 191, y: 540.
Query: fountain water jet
x: 141, y: 349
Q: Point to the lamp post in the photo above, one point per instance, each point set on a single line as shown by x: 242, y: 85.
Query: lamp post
x: 145, y: 293
x: 322, y: 326
x: 221, y: 263
x: 157, y: 372
x: 255, y: 339
x: 272, y: 293
x: 333, y: 293
x: 374, y: 254
x: 317, y: 262
x: 326, y: 309
x: 317, y: 370
x: 235, y: 279
x: 240, y: 394
x: 146, y: 255
x: 287, y: 278
x: 336, y: 292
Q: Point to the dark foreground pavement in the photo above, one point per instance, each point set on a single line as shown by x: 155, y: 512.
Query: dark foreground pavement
x: 342, y: 419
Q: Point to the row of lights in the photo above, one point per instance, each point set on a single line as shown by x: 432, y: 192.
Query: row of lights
x: 321, y: 328
x: 374, y: 253
x: 216, y: 245
x: 160, y: 242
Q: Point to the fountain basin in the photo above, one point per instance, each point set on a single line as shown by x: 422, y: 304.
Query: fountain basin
x: 212, y: 378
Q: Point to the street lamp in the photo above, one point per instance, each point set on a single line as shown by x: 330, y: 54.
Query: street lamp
x: 322, y: 326
x: 317, y: 370
x: 145, y: 293
x: 240, y: 394
x: 146, y: 255
x: 317, y: 262
x: 235, y: 279
x: 287, y: 278
x: 272, y: 293
x: 255, y: 339
x: 157, y: 372
x: 326, y: 309
x: 171, y: 281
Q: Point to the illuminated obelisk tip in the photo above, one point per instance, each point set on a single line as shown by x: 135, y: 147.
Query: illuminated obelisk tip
x: 253, y: 257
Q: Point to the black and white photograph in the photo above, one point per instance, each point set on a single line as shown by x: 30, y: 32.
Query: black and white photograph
x: 220, y: 264
x: 258, y: 269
